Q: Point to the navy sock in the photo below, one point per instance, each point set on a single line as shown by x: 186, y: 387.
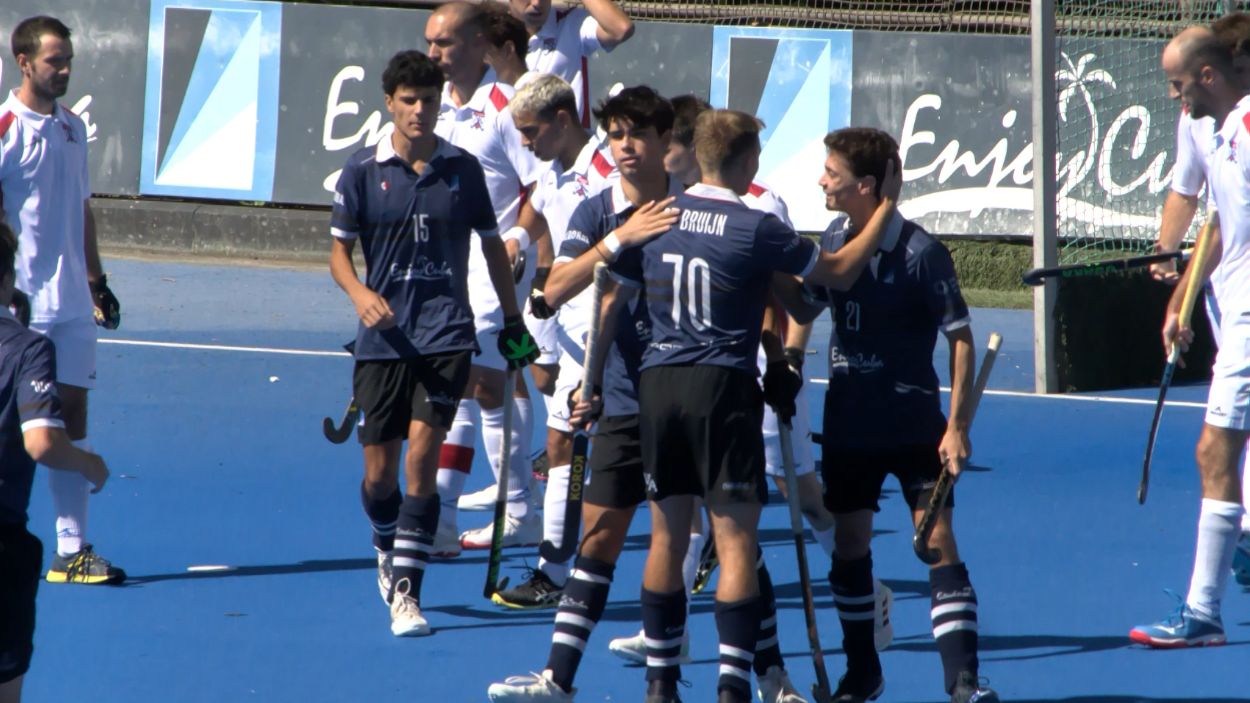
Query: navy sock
x: 581, y: 606
x: 767, y: 649
x: 664, y: 626
x: 418, y: 521
x: 383, y: 516
x: 954, y: 614
x: 738, y: 624
x: 852, y: 585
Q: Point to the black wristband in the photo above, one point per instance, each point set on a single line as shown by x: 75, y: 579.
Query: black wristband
x: 540, y: 276
x: 512, y: 320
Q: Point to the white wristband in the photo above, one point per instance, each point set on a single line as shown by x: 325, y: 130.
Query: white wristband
x: 613, y: 244
x: 520, y: 234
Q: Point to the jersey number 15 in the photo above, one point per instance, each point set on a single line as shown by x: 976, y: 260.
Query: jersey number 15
x: 420, y: 230
x: 692, y: 281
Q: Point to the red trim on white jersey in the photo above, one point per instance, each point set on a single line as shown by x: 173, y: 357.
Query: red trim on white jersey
x: 756, y: 189
x: 6, y: 121
x: 497, y: 98
x: 601, y: 164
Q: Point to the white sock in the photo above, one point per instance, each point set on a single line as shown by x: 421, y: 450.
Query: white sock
x: 690, y: 564
x: 1245, y: 489
x: 825, y: 539
x: 554, y: 503
x: 1218, y: 530
x: 70, y: 491
x: 492, y: 442
x: 456, y: 458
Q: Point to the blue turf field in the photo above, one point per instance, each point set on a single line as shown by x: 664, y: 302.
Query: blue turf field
x: 218, y: 459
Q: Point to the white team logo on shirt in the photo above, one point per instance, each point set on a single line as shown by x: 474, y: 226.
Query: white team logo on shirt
x: 41, y: 387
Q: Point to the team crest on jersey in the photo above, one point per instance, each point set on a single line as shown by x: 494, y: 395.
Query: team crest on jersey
x: 583, y: 185
x: 479, y: 117
x: 40, y: 387
x: 386, y: 186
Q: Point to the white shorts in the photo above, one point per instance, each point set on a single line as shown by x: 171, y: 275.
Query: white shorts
x: 558, y: 408
x: 487, y: 314
x: 75, y: 342
x: 1228, y: 402
x: 800, y: 438
x: 546, y: 334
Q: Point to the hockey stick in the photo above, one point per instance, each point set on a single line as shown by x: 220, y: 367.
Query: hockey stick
x: 581, y: 438
x: 493, y: 584
x: 945, y: 482
x: 339, y: 433
x: 820, y: 689
x: 1201, y: 252
x: 1037, y: 277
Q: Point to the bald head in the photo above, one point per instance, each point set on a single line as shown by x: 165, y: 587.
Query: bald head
x: 459, y: 16
x: 1196, y: 47
x: 1200, y: 73
x: 455, y: 33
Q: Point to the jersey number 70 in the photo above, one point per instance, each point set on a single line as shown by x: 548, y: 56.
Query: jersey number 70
x: 697, y: 290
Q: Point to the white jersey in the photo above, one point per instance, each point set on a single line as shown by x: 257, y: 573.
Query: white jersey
x: 43, y: 192
x: 764, y: 199
x: 1193, y: 144
x: 1228, y: 176
x: 561, y: 47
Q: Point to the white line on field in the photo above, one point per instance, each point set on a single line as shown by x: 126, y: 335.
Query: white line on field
x: 223, y: 347
x: 1069, y: 396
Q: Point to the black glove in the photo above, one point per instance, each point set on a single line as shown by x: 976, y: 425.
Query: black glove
x: 538, y: 302
x: 20, y: 305
x: 794, y: 357
x: 781, y: 387
x: 108, y: 312
x: 516, y: 344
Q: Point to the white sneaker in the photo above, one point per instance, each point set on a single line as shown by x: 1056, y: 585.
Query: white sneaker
x: 384, y: 575
x: 775, y: 687
x: 446, y: 539
x: 480, y: 500
x: 534, y: 687
x: 882, y: 627
x: 406, y: 618
x: 634, y: 649
x: 523, y: 532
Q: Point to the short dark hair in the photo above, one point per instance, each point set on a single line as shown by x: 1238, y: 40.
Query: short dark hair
x: 413, y: 69
x: 501, y: 27
x: 1233, y: 31
x: 8, y: 249
x: 866, y: 150
x: 29, y: 34
x: 641, y: 105
x: 686, y: 111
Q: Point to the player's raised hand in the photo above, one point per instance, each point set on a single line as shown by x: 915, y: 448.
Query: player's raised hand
x: 891, y: 182
x: 954, y: 451
x: 373, y: 310
x: 647, y: 222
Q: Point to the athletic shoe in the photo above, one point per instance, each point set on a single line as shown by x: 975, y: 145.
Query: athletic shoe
x: 538, y: 592
x: 384, y: 575
x: 406, y: 618
x: 969, y: 690
x: 707, y: 566
x: 662, y: 692
x: 446, y: 539
x: 882, y: 628
x: 86, y: 567
x: 480, y: 500
x: 535, y: 687
x: 1183, y: 628
x: 522, y: 532
x: 1241, y: 560
x: 855, y: 688
x: 634, y: 649
x: 775, y: 687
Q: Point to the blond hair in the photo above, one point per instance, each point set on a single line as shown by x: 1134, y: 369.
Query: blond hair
x: 723, y: 137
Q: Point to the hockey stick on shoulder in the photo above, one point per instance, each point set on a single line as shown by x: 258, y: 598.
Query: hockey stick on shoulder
x: 339, y: 433
x: 560, y: 553
x: 945, y: 482
x: 820, y: 690
x: 1197, y: 264
x: 493, y: 584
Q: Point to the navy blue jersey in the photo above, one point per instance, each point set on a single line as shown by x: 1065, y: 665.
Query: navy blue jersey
x: 28, y: 399
x: 883, y: 390
x: 707, y: 279
x: 415, y: 232
x: 593, y: 220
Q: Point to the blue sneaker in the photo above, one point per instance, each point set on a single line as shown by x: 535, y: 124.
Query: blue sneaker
x: 1241, y: 560
x: 1183, y: 628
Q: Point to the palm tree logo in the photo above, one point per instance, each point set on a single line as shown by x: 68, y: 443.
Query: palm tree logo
x: 1076, y: 79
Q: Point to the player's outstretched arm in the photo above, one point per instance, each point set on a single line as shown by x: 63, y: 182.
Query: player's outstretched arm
x: 51, y: 447
x: 1178, y: 213
x: 372, y: 308
x: 956, y: 447
x: 838, y: 270
x: 570, y: 278
x: 615, y: 27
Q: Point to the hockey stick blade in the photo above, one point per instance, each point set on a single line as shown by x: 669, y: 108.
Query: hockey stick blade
x: 945, y: 482
x: 493, y: 585
x: 339, y: 433
x: 1037, y: 277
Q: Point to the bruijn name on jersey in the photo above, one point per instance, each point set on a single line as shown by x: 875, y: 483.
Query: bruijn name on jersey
x: 415, y: 233
x: 707, y: 279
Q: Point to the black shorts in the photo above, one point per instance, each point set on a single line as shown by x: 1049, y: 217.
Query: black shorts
x: 392, y: 393
x: 702, y: 434
x: 853, y: 477
x: 21, y: 559
x: 615, y: 478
